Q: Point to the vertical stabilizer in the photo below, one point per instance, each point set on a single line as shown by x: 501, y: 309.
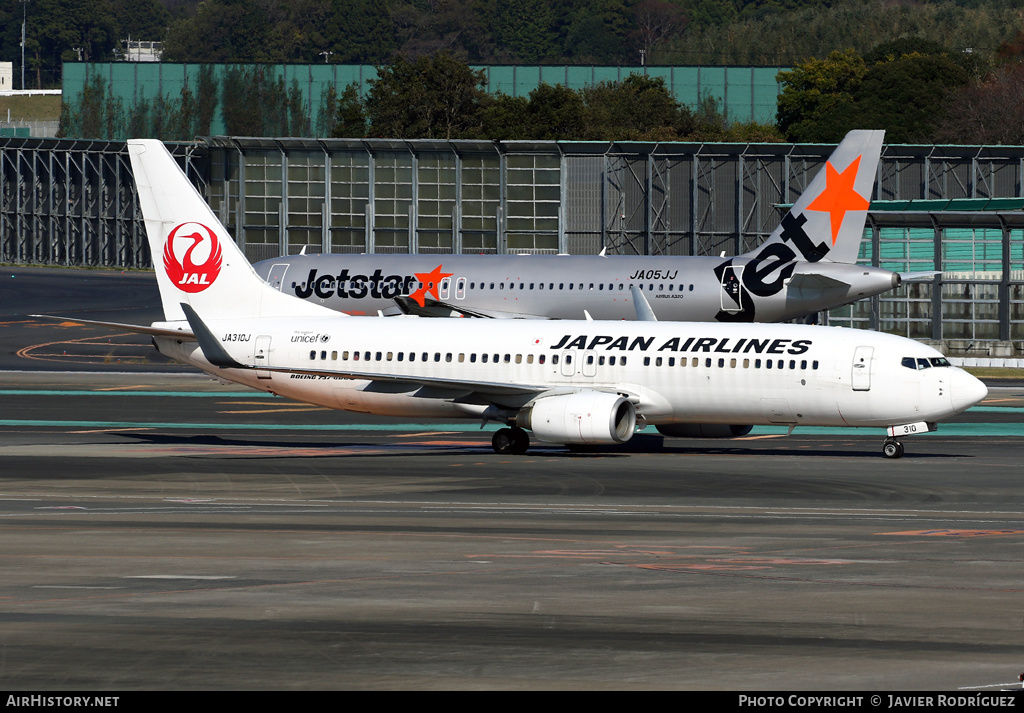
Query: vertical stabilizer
x: 196, y: 261
x: 827, y: 221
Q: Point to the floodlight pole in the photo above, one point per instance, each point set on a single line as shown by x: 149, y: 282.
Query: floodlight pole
x: 24, y: 14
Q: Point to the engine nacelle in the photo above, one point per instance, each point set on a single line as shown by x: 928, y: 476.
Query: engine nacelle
x: 703, y: 430
x: 580, y: 418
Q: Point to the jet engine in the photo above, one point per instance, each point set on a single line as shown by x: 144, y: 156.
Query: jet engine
x: 580, y: 418
x: 703, y: 430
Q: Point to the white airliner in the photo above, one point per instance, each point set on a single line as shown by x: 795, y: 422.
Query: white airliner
x: 806, y: 265
x: 569, y: 382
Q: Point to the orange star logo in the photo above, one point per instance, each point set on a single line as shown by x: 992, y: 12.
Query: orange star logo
x: 839, y: 196
x: 429, y: 282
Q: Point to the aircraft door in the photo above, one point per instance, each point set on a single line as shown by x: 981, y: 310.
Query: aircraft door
x: 261, y: 357
x: 445, y: 286
x: 731, y: 279
x: 276, y: 278
x: 861, y: 379
x: 589, y: 364
x: 568, y: 364
x: 460, y: 289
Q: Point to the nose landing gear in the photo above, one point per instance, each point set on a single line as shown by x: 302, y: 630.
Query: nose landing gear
x: 892, y: 448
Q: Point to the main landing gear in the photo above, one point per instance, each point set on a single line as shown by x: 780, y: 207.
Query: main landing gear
x: 892, y: 448
x: 510, y: 441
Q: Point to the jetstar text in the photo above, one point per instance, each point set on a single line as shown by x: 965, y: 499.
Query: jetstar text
x: 344, y: 285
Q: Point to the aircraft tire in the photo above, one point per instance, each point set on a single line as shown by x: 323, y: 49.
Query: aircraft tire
x: 520, y: 441
x: 892, y: 449
x: 502, y: 441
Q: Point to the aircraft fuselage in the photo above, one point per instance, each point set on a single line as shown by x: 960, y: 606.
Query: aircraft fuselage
x: 738, y: 289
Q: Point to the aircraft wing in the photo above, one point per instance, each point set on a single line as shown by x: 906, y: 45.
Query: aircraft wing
x: 168, y: 331
x: 462, y: 387
x: 439, y: 308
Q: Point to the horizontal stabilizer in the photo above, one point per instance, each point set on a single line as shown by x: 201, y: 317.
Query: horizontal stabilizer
x: 814, y: 281
x: 212, y: 349
x: 918, y: 276
x: 180, y: 332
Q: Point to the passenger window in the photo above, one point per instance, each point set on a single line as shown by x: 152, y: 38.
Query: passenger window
x: 312, y: 354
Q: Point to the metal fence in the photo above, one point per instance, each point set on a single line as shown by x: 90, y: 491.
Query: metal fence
x: 952, y: 210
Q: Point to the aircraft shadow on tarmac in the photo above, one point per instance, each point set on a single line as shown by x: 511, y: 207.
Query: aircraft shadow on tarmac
x: 639, y: 445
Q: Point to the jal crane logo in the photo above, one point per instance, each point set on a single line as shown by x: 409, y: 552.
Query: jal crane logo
x: 189, y: 274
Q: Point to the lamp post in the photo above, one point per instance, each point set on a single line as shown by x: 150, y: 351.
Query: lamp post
x: 326, y: 54
x: 24, y: 12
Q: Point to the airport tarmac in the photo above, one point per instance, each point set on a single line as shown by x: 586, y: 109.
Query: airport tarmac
x: 164, y: 531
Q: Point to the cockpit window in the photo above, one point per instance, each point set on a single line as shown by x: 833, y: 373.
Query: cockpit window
x: 922, y: 363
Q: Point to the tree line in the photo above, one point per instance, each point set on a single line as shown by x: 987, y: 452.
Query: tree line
x: 583, y: 32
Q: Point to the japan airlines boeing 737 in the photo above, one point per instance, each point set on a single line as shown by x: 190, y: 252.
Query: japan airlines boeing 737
x: 808, y: 264
x: 569, y: 382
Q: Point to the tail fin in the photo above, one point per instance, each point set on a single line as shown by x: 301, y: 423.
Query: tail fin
x: 827, y: 221
x: 196, y: 260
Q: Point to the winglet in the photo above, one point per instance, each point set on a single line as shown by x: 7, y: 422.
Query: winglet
x: 644, y: 313
x: 208, y: 343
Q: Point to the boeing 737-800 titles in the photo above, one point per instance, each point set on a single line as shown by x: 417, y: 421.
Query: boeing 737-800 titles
x: 807, y: 265
x: 567, y: 382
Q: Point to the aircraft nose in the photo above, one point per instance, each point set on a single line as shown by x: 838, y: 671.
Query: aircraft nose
x: 965, y: 390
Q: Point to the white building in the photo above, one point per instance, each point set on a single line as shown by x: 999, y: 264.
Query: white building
x: 6, y: 76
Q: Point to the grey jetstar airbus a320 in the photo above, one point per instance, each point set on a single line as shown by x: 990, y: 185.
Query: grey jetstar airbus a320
x: 808, y: 264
